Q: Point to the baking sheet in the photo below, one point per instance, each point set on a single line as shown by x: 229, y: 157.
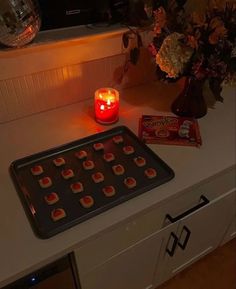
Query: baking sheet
x: 32, y: 195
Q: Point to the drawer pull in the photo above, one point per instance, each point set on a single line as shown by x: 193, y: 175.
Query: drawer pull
x: 174, y: 244
x: 204, y: 201
x: 185, y: 242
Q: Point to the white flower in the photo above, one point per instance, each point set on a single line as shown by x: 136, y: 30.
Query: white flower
x: 173, y: 56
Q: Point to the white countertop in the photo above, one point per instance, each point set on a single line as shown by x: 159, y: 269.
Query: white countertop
x: 21, y: 251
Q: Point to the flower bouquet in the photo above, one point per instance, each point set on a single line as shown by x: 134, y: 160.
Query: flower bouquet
x: 200, y: 47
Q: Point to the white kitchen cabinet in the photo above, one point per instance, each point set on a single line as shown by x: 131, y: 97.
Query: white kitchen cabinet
x: 132, y: 268
x: 125, y: 257
x: 231, y: 230
x: 198, y: 233
x: 152, y: 247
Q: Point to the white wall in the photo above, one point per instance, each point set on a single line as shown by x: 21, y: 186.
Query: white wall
x: 53, y: 73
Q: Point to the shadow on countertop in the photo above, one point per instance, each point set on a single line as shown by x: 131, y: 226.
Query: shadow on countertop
x: 156, y: 95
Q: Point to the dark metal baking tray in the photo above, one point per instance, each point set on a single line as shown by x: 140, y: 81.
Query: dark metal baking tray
x: 32, y: 195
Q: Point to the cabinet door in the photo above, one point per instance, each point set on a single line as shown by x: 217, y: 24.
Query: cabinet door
x: 198, y: 233
x: 132, y: 269
x: 231, y: 230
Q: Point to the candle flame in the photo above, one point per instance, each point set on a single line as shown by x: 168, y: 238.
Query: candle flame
x: 102, y: 107
x: 108, y: 101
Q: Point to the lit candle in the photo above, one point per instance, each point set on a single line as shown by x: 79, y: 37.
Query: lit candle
x: 106, y: 105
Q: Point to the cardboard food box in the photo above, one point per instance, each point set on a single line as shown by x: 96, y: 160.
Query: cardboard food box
x: 171, y: 130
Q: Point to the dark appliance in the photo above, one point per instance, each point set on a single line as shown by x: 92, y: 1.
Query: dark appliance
x: 67, y: 13
x: 119, y: 10
x: 61, y: 274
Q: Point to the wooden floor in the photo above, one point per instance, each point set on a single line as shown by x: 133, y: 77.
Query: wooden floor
x: 215, y: 271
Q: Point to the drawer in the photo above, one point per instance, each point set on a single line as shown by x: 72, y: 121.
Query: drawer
x: 211, y: 189
x: 111, y: 243
x: 124, y: 270
x: 104, y: 247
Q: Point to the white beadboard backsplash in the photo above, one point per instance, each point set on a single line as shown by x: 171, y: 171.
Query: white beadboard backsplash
x: 45, y: 90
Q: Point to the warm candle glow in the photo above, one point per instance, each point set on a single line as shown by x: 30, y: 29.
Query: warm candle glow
x: 106, y: 105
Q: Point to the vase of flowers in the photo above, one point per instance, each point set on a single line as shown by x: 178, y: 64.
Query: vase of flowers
x: 199, y: 47
x: 190, y: 102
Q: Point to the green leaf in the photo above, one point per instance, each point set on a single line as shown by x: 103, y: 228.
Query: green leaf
x: 134, y: 55
x: 215, y: 86
x: 125, y: 39
x: 140, y: 42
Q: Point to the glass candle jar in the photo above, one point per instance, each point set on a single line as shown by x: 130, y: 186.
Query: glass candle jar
x: 106, y: 105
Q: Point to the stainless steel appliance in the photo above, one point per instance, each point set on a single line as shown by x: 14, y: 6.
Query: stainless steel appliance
x: 61, y: 274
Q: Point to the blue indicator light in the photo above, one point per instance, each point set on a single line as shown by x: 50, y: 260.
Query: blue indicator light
x: 33, y: 279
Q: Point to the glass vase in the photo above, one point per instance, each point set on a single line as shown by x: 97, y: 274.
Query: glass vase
x: 190, y: 102
x: 20, y: 21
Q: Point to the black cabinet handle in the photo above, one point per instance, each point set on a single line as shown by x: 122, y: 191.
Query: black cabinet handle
x: 204, y: 201
x: 175, y: 242
x: 185, y: 242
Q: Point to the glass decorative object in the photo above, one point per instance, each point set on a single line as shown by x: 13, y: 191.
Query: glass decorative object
x: 20, y: 21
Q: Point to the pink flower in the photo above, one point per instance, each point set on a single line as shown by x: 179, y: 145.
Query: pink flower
x: 152, y: 49
x: 159, y: 20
